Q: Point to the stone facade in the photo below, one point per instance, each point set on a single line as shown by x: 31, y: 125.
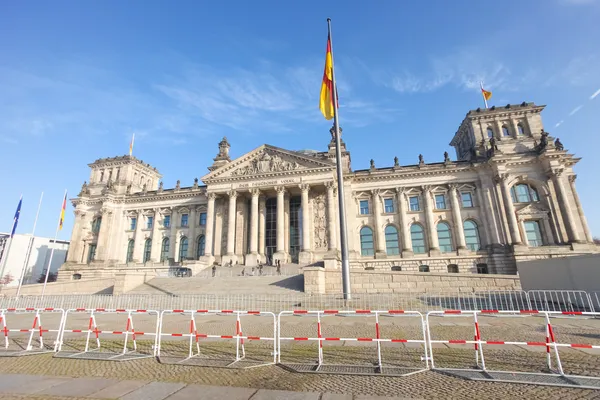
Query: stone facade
x: 509, y: 196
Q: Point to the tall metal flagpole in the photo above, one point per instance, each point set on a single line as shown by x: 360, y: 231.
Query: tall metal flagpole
x: 340, y: 179
x: 29, y: 247
x: 52, y: 251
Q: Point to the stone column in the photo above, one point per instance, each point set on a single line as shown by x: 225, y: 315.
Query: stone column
x: 305, y: 256
x: 76, y: 241
x: 173, y: 250
x: 584, y: 224
x: 210, y: 228
x: 404, y: 231
x: 331, y: 217
x: 156, y: 238
x: 138, y: 248
x: 522, y: 227
x: 379, y: 237
x: 510, y: 210
x: 261, y: 226
x: 192, y: 243
x: 252, y: 257
x: 487, y: 220
x: 459, y: 231
x: 434, y: 245
x: 230, y: 254
x: 103, y: 235
x: 280, y: 254
x: 565, y: 207
x: 547, y: 232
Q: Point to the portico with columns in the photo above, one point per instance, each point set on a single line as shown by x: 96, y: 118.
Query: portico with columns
x: 509, y: 195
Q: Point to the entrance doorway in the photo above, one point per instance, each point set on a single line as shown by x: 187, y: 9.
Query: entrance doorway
x: 270, y: 230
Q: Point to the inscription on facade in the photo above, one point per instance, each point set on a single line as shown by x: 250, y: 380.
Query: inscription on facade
x: 272, y: 182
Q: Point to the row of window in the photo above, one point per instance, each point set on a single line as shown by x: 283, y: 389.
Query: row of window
x: 506, y: 131
x: 165, y: 247
x: 415, y: 204
x: 482, y: 268
x: 167, y: 221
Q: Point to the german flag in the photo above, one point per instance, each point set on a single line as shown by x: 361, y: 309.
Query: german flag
x: 326, y: 103
x: 62, y: 213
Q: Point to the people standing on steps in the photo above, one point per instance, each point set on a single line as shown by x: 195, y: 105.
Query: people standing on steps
x: 214, y: 270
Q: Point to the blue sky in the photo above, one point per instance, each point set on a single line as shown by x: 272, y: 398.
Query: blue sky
x: 78, y: 78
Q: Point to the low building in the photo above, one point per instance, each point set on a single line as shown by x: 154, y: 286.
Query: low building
x: 510, y: 195
x: 39, y: 249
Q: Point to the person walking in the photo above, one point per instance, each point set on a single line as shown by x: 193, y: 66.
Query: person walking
x: 214, y: 270
x: 278, y: 269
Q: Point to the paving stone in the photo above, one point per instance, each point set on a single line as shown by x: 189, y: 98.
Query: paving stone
x: 39, y: 384
x: 10, y: 381
x: 154, y: 391
x: 119, y: 389
x: 194, y: 392
x: 336, y: 396
x: 79, y: 387
x: 284, y: 394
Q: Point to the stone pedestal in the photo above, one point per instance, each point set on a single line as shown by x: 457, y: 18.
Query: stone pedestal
x: 282, y: 256
x: 463, y: 251
x: 226, y: 259
x: 380, y: 254
x: 407, y: 253
x: 208, y: 260
x: 305, y: 257
x: 252, y: 260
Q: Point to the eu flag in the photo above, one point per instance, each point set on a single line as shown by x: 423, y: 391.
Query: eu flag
x: 17, y: 213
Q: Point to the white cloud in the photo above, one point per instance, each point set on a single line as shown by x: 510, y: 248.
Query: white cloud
x: 559, y: 124
x: 596, y: 93
x: 575, y: 110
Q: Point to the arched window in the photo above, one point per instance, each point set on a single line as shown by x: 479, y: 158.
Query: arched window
x: 102, y: 176
x: 524, y: 193
x: 505, y: 131
x: 164, y: 251
x: 490, y: 133
x: 444, y: 237
x: 391, y: 240
x: 520, y: 130
x: 76, y: 277
x: 130, y: 246
x: 366, y: 241
x: 200, y: 247
x: 471, y: 235
x: 417, y: 237
x: 96, y: 225
x: 423, y: 268
x: 147, y: 250
x: 183, y: 248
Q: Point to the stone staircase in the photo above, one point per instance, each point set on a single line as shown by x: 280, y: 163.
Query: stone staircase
x: 229, y: 281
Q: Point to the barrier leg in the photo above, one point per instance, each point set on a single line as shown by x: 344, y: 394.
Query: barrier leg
x: 239, y: 339
x: 429, y: 341
x: 193, y: 334
x: 33, y: 326
x: 551, y: 339
x: 320, y: 339
x: 478, y: 345
x: 378, y: 336
x: 4, y: 329
x: 425, y: 341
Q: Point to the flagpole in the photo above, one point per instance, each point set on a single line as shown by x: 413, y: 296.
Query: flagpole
x: 483, y: 94
x: 340, y: 179
x: 30, y: 246
x: 52, y: 251
x: 9, y: 242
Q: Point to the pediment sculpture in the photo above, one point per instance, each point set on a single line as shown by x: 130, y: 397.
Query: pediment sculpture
x: 267, y: 163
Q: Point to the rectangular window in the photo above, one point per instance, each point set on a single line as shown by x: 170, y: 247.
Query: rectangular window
x: 467, y: 200
x: 364, y: 207
x: 132, y: 223
x: 440, y: 202
x: 96, y: 225
x: 149, y: 222
x: 202, y: 219
x: 92, y: 253
x: 533, y: 233
x: 184, y: 220
x: 414, y: 203
x: 167, y: 221
x: 388, y: 205
x: 482, y: 268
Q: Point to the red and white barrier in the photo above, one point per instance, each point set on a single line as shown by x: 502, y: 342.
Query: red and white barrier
x: 196, y: 333
x: 114, y: 323
x: 377, y: 339
x: 17, y: 321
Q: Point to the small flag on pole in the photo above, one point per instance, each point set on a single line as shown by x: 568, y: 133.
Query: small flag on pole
x: 326, y: 101
x: 131, y: 145
x: 62, y: 213
x: 486, y: 95
x: 17, y: 214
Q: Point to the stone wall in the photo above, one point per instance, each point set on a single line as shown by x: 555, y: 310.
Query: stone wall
x: 328, y: 281
x: 82, y: 286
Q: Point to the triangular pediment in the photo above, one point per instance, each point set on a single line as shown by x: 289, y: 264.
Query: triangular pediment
x: 532, y: 209
x: 268, y: 160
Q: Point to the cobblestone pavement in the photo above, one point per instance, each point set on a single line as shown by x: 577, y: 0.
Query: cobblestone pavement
x: 422, y: 385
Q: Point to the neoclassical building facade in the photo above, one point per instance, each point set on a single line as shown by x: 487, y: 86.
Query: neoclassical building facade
x: 509, y: 196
